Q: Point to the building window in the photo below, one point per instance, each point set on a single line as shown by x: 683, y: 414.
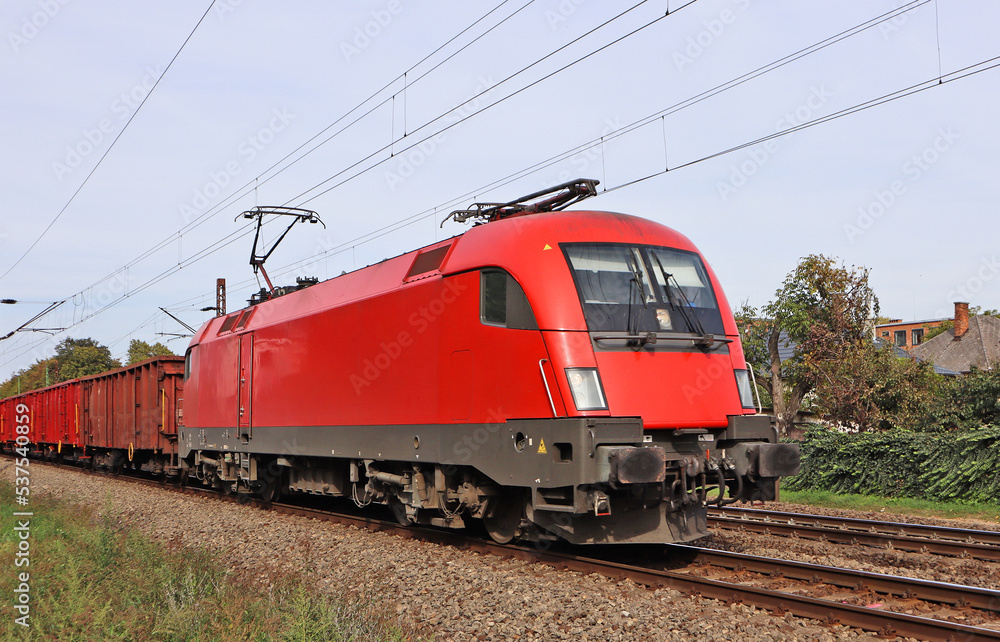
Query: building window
x: 917, y: 336
x: 901, y: 338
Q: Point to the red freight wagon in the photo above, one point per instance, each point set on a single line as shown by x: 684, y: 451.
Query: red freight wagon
x: 129, y: 415
x: 35, y: 400
x: 51, y: 414
x: 8, y: 420
x: 56, y: 415
x: 125, y: 417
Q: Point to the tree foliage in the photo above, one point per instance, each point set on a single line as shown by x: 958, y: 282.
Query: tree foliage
x: 822, y: 311
x: 966, y: 402
x: 42, y: 373
x: 870, y: 388
x: 930, y: 333
x: 73, y: 358
x: 81, y: 357
x: 139, y: 350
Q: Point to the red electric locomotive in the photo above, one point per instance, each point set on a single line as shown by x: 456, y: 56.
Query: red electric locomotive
x: 555, y: 374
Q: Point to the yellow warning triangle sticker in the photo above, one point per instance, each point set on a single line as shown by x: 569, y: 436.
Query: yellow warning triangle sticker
x: 547, y: 247
x: 541, y: 447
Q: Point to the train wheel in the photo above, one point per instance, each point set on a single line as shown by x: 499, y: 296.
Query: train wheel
x: 503, y: 517
x: 270, y: 490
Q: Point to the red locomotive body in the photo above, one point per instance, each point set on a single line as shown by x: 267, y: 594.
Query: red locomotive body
x: 570, y: 374
x: 385, y: 346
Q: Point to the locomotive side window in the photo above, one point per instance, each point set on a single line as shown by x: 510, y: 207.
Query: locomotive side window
x: 188, y: 358
x: 503, y: 302
x: 638, y: 289
x: 495, y: 298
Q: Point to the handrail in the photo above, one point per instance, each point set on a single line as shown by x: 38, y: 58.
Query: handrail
x: 545, y: 380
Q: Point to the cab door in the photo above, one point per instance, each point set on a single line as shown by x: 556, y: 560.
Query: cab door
x: 245, y: 421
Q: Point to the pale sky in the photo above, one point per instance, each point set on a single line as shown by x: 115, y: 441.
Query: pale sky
x: 905, y: 188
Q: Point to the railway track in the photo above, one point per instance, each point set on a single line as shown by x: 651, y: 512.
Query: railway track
x: 919, y: 538
x: 722, y: 576
x: 830, y: 595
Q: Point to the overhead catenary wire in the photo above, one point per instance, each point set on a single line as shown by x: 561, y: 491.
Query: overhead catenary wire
x: 228, y: 239
x: 677, y: 107
x: 930, y: 83
x: 253, y: 184
x: 937, y: 80
x: 217, y: 245
x: 438, y: 132
x: 110, y: 147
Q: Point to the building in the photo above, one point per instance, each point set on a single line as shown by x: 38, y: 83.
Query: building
x: 971, y: 342
x: 906, y: 335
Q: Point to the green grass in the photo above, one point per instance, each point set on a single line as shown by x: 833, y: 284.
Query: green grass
x: 896, y: 505
x: 93, y: 579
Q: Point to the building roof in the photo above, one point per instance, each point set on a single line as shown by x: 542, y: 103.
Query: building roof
x: 786, y: 350
x: 908, y: 354
x: 896, y: 322
x: 979, y: 346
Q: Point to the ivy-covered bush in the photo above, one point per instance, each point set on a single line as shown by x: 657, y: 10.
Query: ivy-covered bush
x: 966, y: 402
x: 959, y: 466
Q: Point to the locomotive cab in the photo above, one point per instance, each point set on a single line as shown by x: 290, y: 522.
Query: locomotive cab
x: 652, y: 405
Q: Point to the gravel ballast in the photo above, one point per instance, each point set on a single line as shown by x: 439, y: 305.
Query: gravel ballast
x: 446, y: 593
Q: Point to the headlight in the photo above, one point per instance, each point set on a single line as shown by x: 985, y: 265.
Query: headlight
x: 746, y: 390
x: 586, y: 388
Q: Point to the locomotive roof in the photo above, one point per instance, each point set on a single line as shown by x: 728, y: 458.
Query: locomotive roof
x: 525, y: 246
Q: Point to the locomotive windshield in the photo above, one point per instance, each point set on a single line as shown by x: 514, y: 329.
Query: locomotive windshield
x: 640, y: 288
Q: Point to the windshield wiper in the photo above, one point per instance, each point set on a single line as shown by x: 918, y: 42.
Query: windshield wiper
x: 693, y: 322
x: 637, y: 279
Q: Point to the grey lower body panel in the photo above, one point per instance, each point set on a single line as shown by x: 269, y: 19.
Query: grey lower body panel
x: 656, y: 525
x: 525, y: 453
x: 585, y: 480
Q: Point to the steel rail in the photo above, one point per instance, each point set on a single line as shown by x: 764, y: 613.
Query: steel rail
x: 827, y: 611
x: 968, y: 535
x: 890, y: 585
x: 899, y: 541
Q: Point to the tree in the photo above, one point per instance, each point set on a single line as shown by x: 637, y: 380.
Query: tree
x: 139, y: 350
x: 871, y: 388
x: 74, y: 358
x: 87, y: 360
x: 977, y: 310
x: 822, y: 313
x: 930, y: 333
x: 82, y: 357
x: 40, y: 374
